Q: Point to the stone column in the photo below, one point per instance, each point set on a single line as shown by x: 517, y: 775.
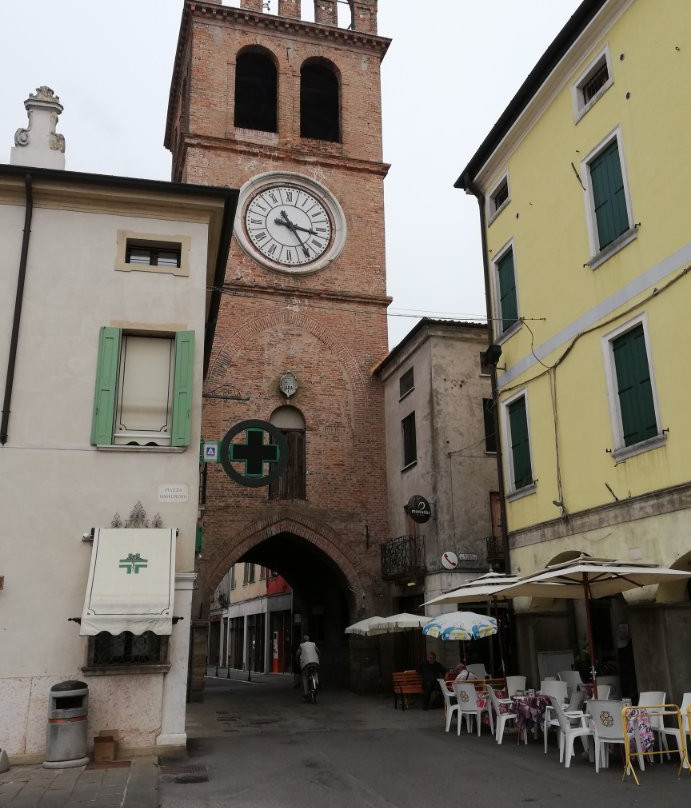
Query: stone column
x: 252, y: 5
x: 325, y: 12
x: 39, y: 144
x: 289, y: 8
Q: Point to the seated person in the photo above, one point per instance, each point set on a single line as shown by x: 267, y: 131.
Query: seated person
x: 462, y: 673
x: 431, y: 670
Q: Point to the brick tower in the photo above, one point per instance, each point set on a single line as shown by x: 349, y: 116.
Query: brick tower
x: 290, y: 112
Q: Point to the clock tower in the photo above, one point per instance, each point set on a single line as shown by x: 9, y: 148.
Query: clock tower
x: 289, y: 112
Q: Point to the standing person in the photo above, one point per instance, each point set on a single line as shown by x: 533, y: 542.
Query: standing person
x: 308, y: 654
x: 431, y: 670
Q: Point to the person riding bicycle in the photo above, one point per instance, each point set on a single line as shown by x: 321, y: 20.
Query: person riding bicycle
x: 308, y: 655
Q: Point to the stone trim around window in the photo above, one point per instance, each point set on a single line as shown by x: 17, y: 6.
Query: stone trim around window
x: 125, y: 237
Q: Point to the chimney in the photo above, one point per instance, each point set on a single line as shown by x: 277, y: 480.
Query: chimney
x: 39, y: 145
x: 289, y: 8
x: 252, y: 5
x: 325, y: 12
x: 364, y: 15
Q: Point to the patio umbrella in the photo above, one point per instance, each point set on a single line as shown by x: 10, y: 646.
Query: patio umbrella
x: 460, y: 626
x: 363, y: 626
x: 585, y: 578
x: 397, y: 622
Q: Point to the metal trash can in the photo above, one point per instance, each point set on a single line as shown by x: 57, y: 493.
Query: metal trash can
x: 67, y: 718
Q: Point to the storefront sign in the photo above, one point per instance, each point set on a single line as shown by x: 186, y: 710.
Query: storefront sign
x: 173, y: 493
x: 418, y: 508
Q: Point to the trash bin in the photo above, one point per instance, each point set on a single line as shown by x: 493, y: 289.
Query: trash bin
x: 66, y: 735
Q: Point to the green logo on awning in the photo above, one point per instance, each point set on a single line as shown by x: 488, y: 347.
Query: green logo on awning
x: 133, y: 563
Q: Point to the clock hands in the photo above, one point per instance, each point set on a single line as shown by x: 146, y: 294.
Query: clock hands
x: 292, y: 226
x: 285, y: 221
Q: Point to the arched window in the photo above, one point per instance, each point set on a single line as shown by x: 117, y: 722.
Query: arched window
x: 292, y: 482
x: 319, y: 102
x: 256, y: 92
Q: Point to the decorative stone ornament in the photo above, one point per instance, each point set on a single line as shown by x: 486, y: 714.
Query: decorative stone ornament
x: 39, y: 144
x: 288, y: 384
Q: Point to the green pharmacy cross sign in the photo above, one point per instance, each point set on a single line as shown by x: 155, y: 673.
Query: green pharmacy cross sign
x: 264, y: 446
x: 133, y: 563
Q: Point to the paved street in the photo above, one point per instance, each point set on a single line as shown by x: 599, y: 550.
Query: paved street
x: 256, y: 745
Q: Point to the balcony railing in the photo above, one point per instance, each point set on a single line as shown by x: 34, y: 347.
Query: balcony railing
x: 495, y: 553
x: 403, y: 557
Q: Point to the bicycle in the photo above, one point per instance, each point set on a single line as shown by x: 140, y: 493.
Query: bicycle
x: 312, y: 683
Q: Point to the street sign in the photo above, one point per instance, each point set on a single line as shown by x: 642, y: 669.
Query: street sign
x: 449, y: 560
x: 211, y: 451
x: 259, y: 459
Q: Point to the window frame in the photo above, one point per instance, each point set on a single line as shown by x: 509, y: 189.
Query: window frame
x: 512, y: 492
x: 408, y: 462
x: 408, y: 390
x: 502, y: 336
x: 108, y: 382
x: 488, y: 414
x: 125, y: 239
x: 580, y: 105
x: 600, y: 254
x: 493, y: 210
x: 161, y: 665
x: 621, y: 451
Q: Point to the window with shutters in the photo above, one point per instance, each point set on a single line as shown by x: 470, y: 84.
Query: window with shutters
x: 519, y: 462
x: 292, y: 482
x: 506, y: 297
x: 607, y: 197
x: 633, y: 402
x: 144, y: 389
x: 409, y: 440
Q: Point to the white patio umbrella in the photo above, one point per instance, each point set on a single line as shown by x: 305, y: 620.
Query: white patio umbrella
x: 363, y: 626
x: 485, y: 587
x: 585, y: 578
x: 397, y: 622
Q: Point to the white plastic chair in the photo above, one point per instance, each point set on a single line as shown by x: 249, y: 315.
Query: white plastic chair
x: 514, y: 683
x: 614, y: 683
x: 573, y: 711
x: 554, y: 688
x: 572, y: 679
x: 571, y: 726
x: 674, y: 731
x: 450, y: 705
x: 604, y: 692
x: 478, y: 670
x: 502, y: 718
x: 650, y: 698
x: 468, y: 706
x: 605, y: 718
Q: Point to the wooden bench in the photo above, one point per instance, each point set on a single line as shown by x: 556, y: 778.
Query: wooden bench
x: 405, y: 683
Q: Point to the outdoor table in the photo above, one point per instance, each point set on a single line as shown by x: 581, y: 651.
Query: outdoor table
x: 530, y: 712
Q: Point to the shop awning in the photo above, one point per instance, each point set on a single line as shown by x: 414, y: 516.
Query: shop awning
x: 131, y: 582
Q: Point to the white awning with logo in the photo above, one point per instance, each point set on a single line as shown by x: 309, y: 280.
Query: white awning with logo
x: 131, y: 582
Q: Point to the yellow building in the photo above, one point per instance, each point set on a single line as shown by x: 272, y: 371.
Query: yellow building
x: 583, y: 185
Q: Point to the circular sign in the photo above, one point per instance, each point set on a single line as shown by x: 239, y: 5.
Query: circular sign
x: 418, y: 508
x: 254, y: 453
x: 449, y: 560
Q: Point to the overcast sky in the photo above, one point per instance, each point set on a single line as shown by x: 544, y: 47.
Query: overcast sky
x: 451, y: 69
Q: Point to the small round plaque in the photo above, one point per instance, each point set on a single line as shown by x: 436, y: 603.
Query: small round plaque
x: 449, y: 560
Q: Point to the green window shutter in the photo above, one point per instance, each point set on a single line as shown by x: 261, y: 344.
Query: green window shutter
x: 520, y: 444
x: 508, y: 302
x: 198, y: 539
x: 183, y: 388
x: 633, y: 387
x: 106, y: 384
x: 609, y: 198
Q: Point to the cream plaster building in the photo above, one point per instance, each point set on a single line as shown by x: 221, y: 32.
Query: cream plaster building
x: 106, y: 308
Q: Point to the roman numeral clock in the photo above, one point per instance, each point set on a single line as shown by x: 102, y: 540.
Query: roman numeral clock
x: 289, y: 223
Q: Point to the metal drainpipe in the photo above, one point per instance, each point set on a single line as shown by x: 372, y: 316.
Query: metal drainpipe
x: 477, y: 193
x: 14, y: 339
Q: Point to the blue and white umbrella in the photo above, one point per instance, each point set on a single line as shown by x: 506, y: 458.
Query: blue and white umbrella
x: 460, y: 626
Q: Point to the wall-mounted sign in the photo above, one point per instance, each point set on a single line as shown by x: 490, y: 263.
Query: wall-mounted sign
x: 468, y: 557
x: 449, y: 560
x: 418, y: 508
x: 288, y: 384
x: 210, y: 451
x: 259, y: 458
x: 173, y: 493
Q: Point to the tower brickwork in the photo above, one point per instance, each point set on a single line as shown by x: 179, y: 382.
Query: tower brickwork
x: 324, y: 322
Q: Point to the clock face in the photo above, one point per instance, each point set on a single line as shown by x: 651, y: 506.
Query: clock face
x: 289, y: 223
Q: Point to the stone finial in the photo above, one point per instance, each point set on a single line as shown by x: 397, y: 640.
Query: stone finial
x: 290, y: 8
x: 252, y: 5
x: 39, y: 144
x: 325, y: 12
x: 364, y: 15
